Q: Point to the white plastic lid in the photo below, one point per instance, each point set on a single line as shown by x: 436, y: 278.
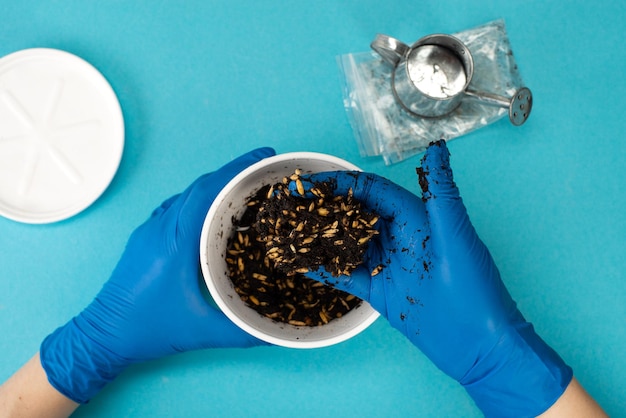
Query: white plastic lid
x: 61, y: 135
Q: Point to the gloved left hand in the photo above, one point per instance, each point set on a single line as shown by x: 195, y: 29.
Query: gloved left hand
x: 152, y: 305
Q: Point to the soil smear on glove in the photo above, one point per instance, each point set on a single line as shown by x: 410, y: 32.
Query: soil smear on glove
x: 282, y: 235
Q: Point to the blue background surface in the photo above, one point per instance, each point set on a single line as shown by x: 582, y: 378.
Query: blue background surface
x: 201, y: 82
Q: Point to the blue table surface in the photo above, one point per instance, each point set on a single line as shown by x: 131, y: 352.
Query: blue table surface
x: 201, y: 82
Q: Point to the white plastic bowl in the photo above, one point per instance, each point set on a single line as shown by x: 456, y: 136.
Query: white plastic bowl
x: 230, y: 204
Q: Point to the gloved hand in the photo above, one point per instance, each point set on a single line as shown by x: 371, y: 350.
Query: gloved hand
x: 440, y: 287
x: 152, y: 305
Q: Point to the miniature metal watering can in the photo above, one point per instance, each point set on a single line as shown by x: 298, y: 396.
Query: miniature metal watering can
x: 431, y: 77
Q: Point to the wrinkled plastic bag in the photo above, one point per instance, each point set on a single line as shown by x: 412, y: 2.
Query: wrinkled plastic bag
x: 383, y: 128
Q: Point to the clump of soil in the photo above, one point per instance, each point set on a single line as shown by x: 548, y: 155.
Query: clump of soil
x: 284, y: 234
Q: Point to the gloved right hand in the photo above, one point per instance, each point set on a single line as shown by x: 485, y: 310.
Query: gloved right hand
x: 440, y: 287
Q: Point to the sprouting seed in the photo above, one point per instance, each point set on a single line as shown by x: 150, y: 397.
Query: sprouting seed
x: 376, y: 270
x: 323, y: 211
x: 300, y: 187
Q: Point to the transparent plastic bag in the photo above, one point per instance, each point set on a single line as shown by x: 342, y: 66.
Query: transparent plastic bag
x: 383, y: 128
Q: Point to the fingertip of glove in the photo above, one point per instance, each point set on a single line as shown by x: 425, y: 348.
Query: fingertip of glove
x: 435, y: 173
x: 437, y: 155
x: 263, y: 152
x: 358, y: 283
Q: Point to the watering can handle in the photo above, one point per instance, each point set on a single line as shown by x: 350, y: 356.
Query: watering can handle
x: 390, y: 49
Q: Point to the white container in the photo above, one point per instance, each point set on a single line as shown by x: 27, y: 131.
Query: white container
x: 230, y: 204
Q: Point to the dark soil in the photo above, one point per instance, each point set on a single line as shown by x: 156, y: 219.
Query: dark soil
x: 283, y: 235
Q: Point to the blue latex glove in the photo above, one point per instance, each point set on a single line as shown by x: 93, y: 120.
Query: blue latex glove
x: 152, y: 305
x: 440, y: 287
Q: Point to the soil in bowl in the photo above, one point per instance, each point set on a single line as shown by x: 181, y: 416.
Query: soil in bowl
x: 282, y: 235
